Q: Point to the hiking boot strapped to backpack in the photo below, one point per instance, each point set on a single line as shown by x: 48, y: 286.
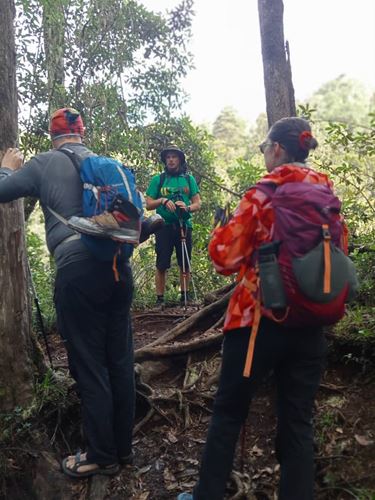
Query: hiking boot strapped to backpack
x: 111, y: 206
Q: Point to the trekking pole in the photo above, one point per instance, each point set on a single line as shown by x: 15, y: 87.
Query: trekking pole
x: 184, y: 276
x: 39, y: 314
x: 185, y: 256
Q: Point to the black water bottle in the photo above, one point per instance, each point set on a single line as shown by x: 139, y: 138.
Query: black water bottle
x: 271, y: 282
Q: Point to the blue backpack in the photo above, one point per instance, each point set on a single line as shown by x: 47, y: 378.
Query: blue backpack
x: 105, y: 181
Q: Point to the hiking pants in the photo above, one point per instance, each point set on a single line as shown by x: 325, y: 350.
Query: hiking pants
x: 167, y: 239
x: 94, y: 321
x: 296, y: 356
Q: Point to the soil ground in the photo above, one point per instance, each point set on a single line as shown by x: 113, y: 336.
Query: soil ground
x: 172, y: 429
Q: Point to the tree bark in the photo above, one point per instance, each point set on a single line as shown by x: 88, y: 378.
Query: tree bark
x: 16, y: 373
x: 53, y: 33
x: 276, y: 62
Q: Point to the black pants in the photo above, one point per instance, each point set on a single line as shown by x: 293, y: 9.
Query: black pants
x: 296, y: 356
x: 167, y: 239
x: 94, y: 322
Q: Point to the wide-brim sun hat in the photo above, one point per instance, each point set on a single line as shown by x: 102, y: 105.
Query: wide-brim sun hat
x: 172, y: 149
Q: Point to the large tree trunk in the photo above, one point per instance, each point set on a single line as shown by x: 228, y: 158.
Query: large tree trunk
x: 16, y: 374
x: 53, y: 33
x: 276, y: 62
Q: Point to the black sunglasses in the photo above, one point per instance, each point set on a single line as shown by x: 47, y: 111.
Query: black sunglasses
x: 263, y: 146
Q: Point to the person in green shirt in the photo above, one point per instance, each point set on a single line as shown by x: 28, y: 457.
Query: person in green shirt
x: 175, y: 196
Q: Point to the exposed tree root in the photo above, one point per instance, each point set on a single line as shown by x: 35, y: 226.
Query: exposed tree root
x: 242, y: 482
x: 144, y: 420
x: 189, y: 323
x: 216, y: 294
x: 178, y: 348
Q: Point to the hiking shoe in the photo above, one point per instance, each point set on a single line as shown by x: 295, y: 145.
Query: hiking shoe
x: 159, y: 304
x: 121, y: 222
x: 150, y: 226
x: 108, y: 225
x: 185, y: 496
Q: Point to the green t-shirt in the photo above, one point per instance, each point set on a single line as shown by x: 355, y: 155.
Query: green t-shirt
x: 173, y: 185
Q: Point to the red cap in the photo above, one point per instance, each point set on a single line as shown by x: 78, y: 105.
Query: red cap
x: 66, y: 121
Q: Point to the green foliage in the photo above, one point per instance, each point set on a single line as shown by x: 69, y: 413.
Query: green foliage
x: 364, y: 259
x: 230, y: 137
x: 246, y: 173
x: 43, y: 273
x: 205, y: 278
x: 25, y: 429
x: 363, y: 494
x: 51, y: 392
x: 122, y: 68
x: 122, y: 65
x: 347, y: 155
x: 258, y: 133
x: 342, y: 100
x: 358, y: 324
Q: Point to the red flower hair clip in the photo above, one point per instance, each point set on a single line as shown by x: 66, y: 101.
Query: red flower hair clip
x: 304, y: 138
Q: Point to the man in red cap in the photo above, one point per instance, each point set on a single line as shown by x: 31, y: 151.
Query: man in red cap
x: 92, y: 308
x: 66, y: 122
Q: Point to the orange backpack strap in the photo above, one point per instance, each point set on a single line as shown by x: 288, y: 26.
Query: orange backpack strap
x: 114, y: 266
x: 254, y: 331
x: 253, y: 336
x: 255, y: 328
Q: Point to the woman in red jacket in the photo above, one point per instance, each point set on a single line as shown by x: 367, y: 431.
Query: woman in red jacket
x: 296, y: 355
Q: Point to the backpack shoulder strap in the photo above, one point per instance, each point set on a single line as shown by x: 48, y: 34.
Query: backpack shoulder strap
x: 76, y: 160
x: 162, y: 177
x: 73, y: 157
x: 267, y: 188
x: 188, y: 178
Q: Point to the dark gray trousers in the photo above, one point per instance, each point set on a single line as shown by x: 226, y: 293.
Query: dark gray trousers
x: 93, y: 317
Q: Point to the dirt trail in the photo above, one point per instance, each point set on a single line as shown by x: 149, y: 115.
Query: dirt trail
x: 169, y: 445
x: 174, y: 404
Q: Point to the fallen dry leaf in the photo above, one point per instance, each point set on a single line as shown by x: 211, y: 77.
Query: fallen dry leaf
x: 256, y: 451
x: 143, y: 470
x: 168, y: 476
x: 172, y: 486
x: 171, y: 437
x: 363, y: 440
x: 144, y: 495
